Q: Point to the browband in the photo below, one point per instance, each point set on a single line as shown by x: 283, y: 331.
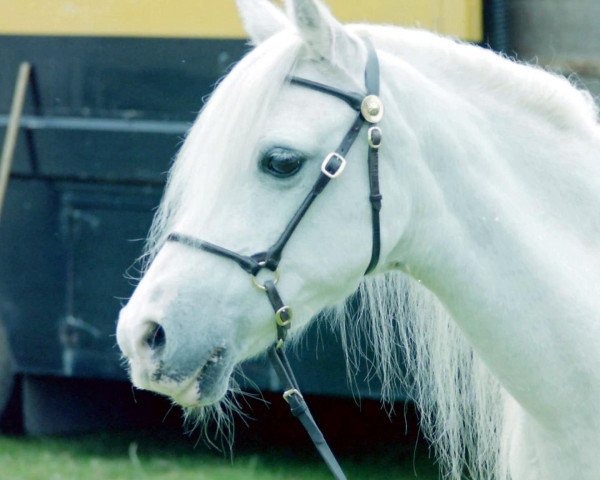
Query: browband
x: 351, y: 98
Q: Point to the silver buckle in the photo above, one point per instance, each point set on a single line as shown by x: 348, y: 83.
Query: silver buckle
x: 339, y: 170
x: 292, y: 391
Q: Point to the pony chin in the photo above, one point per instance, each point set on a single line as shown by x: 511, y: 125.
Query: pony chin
x: 206, y: 386
x: 191, y: 393
x: 196, y: 392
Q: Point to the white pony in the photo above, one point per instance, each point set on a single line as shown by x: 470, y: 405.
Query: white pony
x: 489, y: 279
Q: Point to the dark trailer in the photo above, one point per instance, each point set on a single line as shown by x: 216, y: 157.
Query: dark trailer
x: 110, y: 94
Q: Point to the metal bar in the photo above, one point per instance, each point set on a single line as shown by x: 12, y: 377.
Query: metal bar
x: 32, y: 122
x: 12, y: 131
x: 86, y: 180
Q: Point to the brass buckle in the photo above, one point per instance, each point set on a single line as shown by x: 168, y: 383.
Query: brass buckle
x: 339, y: 170
x: 262, y: 286
x: 280, y: 321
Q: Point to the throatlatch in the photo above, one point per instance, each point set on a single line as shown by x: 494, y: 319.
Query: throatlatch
x: 370, y: 111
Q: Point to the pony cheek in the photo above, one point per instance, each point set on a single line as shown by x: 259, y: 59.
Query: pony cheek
x: 311, y: 289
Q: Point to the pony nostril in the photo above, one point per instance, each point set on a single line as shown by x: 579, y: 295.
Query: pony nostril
x: 155, y: 338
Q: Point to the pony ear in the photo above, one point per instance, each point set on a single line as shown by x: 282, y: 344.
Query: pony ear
x: 324, y: 35
x: 261, y: 19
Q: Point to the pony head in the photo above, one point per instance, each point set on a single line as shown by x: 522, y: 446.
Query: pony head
x: 247, y: 164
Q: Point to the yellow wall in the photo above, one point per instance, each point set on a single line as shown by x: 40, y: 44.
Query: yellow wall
x: 217, y: 18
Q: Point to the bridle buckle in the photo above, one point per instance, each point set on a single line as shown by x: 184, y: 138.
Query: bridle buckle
x: 282, y: 312
x: 292, y: 391
x: 337, y: 170
x: 374, y: 137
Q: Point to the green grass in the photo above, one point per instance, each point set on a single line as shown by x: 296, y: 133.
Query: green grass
x: 153, y: 456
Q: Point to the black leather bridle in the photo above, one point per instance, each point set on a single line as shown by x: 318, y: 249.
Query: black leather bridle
x: 370, y: 111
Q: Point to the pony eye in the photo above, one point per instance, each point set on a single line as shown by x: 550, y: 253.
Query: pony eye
x: 282, y: 162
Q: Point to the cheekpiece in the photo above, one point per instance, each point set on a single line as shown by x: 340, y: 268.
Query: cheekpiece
x: 371, y: 108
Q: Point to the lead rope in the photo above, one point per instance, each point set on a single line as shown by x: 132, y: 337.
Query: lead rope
x: 292, y: 394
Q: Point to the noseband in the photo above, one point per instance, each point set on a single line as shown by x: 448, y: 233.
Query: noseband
x: 370, y: 111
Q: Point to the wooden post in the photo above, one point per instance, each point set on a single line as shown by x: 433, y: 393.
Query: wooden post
x: 12, y: 129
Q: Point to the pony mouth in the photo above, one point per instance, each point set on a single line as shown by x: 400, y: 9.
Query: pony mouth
x: 205, y: 386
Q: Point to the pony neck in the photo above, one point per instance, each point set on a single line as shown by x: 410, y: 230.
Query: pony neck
x: 501, y: 229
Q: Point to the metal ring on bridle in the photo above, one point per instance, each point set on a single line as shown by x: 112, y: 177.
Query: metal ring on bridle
x: 261, y: 286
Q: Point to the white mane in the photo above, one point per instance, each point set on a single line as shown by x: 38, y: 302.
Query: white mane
x: 477, y: 71
x: 461, y: 403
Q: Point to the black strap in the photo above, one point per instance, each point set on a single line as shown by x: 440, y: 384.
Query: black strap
x: 270, y: 258
x: 374, y: 140
x: 300, y: 410
x: 292, y: 394
x: 351, y: 98
x: 283, y: 314
x: 374, y: 196
x: 273, y: 255
x: 248, y: 264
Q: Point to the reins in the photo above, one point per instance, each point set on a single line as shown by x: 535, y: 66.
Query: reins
x: 370, y: 111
